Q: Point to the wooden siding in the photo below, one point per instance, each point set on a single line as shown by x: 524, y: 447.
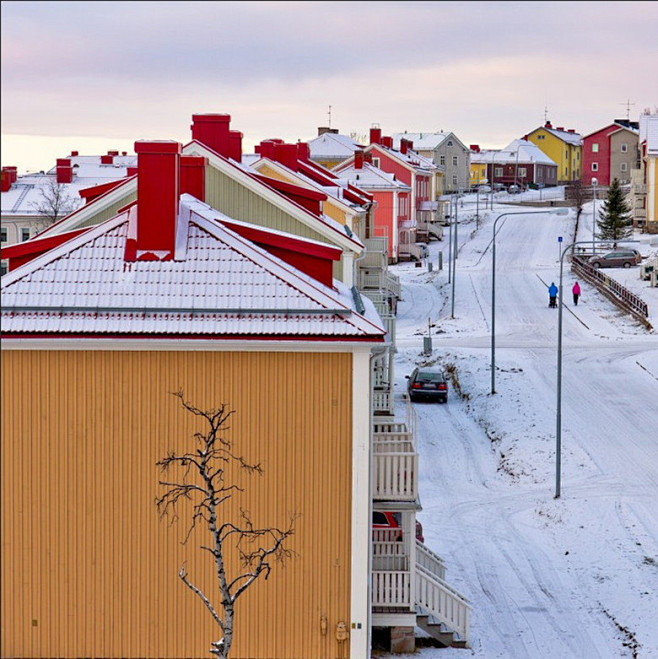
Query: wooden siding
x: 235, y: 200
x: 110, y: 211
x: 89, y: 570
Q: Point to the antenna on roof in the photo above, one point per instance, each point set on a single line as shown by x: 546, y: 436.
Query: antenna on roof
x: 545, y: 113
x: 628, y: 107
x: 329, y: 113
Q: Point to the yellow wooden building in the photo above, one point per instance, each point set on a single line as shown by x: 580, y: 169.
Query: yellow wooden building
x: 97, y: 333
x: 563, y: 147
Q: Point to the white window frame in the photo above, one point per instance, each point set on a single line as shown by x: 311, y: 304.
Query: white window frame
x: 442, y: 160
x: 595, y: 166
x: 623, y: 148
x: 595, y: 147
x: 455, y: 162
x: 623, y: 167
x: 375, y: 162
x: 523, y: 172
x: 25, y: 234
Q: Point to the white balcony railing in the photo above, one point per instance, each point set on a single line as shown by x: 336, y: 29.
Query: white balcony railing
x: 395, y: 473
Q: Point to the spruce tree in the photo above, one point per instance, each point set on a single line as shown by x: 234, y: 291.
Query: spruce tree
x: 615, y: 221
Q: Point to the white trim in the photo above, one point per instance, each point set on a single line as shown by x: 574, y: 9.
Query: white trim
x: 187, y: 345
x: 361, y: 497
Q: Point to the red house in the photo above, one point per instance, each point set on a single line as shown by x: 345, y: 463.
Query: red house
x: 611, y: 152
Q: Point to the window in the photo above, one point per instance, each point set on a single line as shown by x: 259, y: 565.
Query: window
x: 449, y: 142
x: 454, y: 180
x: 624, y: 148
x: 595, y: 148
x: 3, y: 234
x: 523, y: 172
x: 442, y: 160
x: 3, y: 268
x: 541, y: 137
x: 566, y: 154
x: 375, y: 162
x: 454, y: 160
x: 498, y: 171
x: 624, y: 167
x: 595, y: 166
x: 25, y: 234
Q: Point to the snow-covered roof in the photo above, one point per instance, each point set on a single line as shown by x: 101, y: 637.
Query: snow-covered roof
x: 422, y: 141
x: 219, y: 284
x: 333, y: 146
x: 521, y: 151
x: 570, y: 138
x: 26, y: 194
x: 371, y: 178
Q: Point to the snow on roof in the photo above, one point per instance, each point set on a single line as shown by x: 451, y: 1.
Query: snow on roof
x: 425, y: 140
x: 527, y: 153
x: 370, y: 177
x: 219, y: 284
x: 332, y: 145
x: 570, y: 138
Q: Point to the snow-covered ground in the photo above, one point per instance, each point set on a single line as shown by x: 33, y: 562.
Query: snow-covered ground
x: 568, y: 577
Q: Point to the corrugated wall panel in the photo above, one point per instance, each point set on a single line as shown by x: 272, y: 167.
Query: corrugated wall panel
x: 110, y: 211
x: 88, y: 569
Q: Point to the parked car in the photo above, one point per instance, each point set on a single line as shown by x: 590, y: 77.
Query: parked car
x: 514, y: 189
x: 484, y: 188
x: 387, y: 526
x: 427, y: 384
x: 617, y: 259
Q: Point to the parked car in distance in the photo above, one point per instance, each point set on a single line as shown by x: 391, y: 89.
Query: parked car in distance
x: 617, y: 259
x: 387, y: 527
x: 514, y: 189
x: 427, y: 384
x: 483, y: 189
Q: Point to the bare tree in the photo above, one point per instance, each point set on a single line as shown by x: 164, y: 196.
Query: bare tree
x: 204, y: 481
x: 55, y: 202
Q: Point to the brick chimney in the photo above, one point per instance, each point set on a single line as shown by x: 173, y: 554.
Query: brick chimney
x: 475, y: 148
x: 158, y: 163
x: 193, y: 176
x: 131, y: 171
x: 74, y: 153
x: 107, y: 160
x: 560, y: 128
x: 358, y: 159
x: 548, y: 125
x: 13, y: 173
x: 375, y: 136
x: 571, y: 130
x: 403, y: 145
x: 387, y: 141
x: 213, y: 131
x: 266, y: 149
x: 64, y: 170
x: 235, y: 145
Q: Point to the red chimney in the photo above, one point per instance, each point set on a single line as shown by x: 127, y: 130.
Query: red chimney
x: 410, y: 145
x: 158, y: 165
x: 358, y: 159
x: 5, y: 184
x: 387, y: 142
x: 131, y: 171
x: 286, y: 154
x: 193, y: 176
x: 548, y: 125
x: 213, y: 131
x: 235, y: 145
x: 367, y: 157
x: 303, y: 152
x: 64, y: 170
x: 266, y: 149
x: 107, y: 160
x: 13, y: 173
x: 571, y: 130
x: 403, y: 145
x: 560, y: 128
x: 375, y: 136
x: 74, y: 153
x: 475, y: 148
x: 112, y: 153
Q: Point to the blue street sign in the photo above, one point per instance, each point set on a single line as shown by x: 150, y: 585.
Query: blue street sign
x: 559, y: 239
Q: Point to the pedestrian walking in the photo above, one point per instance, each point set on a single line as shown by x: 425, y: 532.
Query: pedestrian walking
x: 552, y: 295
x: 576, y: 293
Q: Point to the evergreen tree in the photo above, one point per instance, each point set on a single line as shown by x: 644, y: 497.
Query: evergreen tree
x: 615, y: 221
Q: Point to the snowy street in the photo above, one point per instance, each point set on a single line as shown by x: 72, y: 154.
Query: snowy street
x: 572, y: 577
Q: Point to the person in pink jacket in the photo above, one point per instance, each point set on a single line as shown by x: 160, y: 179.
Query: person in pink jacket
x: 576, y: 293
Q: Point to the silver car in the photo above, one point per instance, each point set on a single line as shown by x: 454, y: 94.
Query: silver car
x: 618, y: 259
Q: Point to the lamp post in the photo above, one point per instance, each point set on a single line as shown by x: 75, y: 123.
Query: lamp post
x: 558, y: 413
x: 454, y: 261
x: 594, y: 184
x: 450, y: 240
x: 559, y: 211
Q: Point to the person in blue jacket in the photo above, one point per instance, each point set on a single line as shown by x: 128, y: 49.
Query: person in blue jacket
x: 552, y: 295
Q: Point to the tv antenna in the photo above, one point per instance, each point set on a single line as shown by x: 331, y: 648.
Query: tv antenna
x: 628, y: 107
x: 545, y: 114
x: 329, y: 113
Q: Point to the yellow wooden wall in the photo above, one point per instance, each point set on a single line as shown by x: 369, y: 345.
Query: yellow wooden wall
x: 89, y: 570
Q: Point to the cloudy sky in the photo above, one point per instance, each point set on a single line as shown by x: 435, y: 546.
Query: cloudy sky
x: 94, y: 76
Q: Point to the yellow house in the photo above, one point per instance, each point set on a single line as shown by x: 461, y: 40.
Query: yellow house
x: 644, y: 188
x: 97, y: 332
x: 563, y: 147
x: 478, y: 173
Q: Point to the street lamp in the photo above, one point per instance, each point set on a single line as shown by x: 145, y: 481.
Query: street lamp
x: 594, y: 184
x: 558, y: 414
x: 558, y: 211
